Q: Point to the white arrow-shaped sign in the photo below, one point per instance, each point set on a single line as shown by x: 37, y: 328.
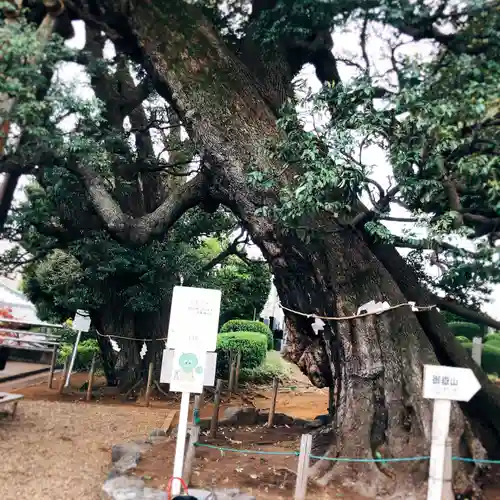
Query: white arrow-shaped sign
x: 446, y: 382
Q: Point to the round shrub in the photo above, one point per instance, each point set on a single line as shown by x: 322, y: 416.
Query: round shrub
x: 246, y: 325
x: 252, y: 345
x: 462, y: 339
x: 463, y: 329
x: 490, y: 359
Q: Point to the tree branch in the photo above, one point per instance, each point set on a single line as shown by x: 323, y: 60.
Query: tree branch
x: 465, y: 312
x: 139, y: 230
x: 141, y: 92
x: 232, y: 249
x: 426, y: 244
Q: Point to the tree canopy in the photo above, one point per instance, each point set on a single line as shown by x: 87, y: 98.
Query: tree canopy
x: 416, y: 84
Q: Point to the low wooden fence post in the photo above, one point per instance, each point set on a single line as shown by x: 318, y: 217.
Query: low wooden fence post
x: 303, y: 467
x: 237, y: 372
x: 477, y: 350
x: 91, y: 379
x: 198, y: 403
x: 215, y: 415
x: 52, y: 366
x: 63, y: 376
x: 149, y: 383
x: 272, y: 410
x: 448, y: 472
x: 194, y: 434
x: 232, y: 359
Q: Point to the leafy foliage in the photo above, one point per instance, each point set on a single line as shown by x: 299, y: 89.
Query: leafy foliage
x: 253, y: 348
x: 85, y: 353
x: 245, y: 325
x: 467, y: 330
x: 490, y: 360
x: 435, y: 118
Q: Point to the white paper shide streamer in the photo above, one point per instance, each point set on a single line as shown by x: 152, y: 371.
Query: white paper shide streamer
x: 144, y: 350
x: 114, y: 345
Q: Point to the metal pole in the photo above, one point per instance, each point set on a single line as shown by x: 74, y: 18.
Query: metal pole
x: 73, y: 356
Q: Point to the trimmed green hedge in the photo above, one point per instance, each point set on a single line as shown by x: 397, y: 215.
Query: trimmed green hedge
x: 246, y: 325
x: 493, y: 339
x: 252, y: 345
x: 490, y: 360
x: 83, y: 360
x: 463, y: 329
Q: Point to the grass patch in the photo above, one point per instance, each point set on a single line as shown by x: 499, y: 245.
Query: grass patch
x: 274, y: 366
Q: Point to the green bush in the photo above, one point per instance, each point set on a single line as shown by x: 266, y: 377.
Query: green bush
x: 252, y: 345
x: 462, y: 339
x: 493, y: 339
x: 490, y: 360
x: 246, y: 325
x: 463, y: 329
x: 83, y: 360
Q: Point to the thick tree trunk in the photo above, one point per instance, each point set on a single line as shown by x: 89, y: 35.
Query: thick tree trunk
x: 374, y: 363
x: 126, y: 368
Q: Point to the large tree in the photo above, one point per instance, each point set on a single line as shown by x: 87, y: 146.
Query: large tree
x: 228, y: 86
x: 71, y: 260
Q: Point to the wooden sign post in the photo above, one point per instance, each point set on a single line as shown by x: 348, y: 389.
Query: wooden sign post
x: 190, y: 364
x: 444, y: 384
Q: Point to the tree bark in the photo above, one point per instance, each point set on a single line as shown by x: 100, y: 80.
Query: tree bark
x: 127, y: 328
x: 375, y: 363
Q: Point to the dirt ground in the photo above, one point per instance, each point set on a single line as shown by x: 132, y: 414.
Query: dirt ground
x: 59, y: 446
x: 61, y: 451
x: 265, y: 476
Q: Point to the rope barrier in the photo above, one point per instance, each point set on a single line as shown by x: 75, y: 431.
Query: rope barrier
x: 340, y: 459
x: 369, y: 460
x: 412, y: 305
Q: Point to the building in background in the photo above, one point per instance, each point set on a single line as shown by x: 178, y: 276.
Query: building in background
x: 18, y: 304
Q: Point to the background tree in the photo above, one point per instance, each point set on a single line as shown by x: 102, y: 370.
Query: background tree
x: 228, y: 89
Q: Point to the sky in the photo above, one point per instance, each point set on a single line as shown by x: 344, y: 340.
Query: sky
x: 381, y: 171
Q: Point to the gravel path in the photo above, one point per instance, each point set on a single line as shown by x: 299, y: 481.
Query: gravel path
x: 56, y: 451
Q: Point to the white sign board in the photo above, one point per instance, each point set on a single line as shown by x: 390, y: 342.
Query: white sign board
x: 446, y: 382
x: 188, y: 370
x: 167, y: 364
x: 194, y: 319
x: 81, y: 322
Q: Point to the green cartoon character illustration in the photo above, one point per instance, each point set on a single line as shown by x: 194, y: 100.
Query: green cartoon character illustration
x: 188, y: 363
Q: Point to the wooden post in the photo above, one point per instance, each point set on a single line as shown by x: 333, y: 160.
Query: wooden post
x: 272, y: 410
x: 194, y: 434
x: 149, y: 383
x: 63, y: 377
x: 52, y: 366
x: 232, y: 359
x: 237, y: 372
x: 215, y: 414
x: 448, y: 472
x: 91, y: 379
x: 477, y: 350
x: 198, y: 402
x: 303, y: 467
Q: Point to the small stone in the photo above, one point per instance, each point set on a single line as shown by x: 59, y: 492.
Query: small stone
x: 127, y: 462
x: 119, y: 450
x: 123, y: 488
x: 241, y: 416
x: 159, y: 432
